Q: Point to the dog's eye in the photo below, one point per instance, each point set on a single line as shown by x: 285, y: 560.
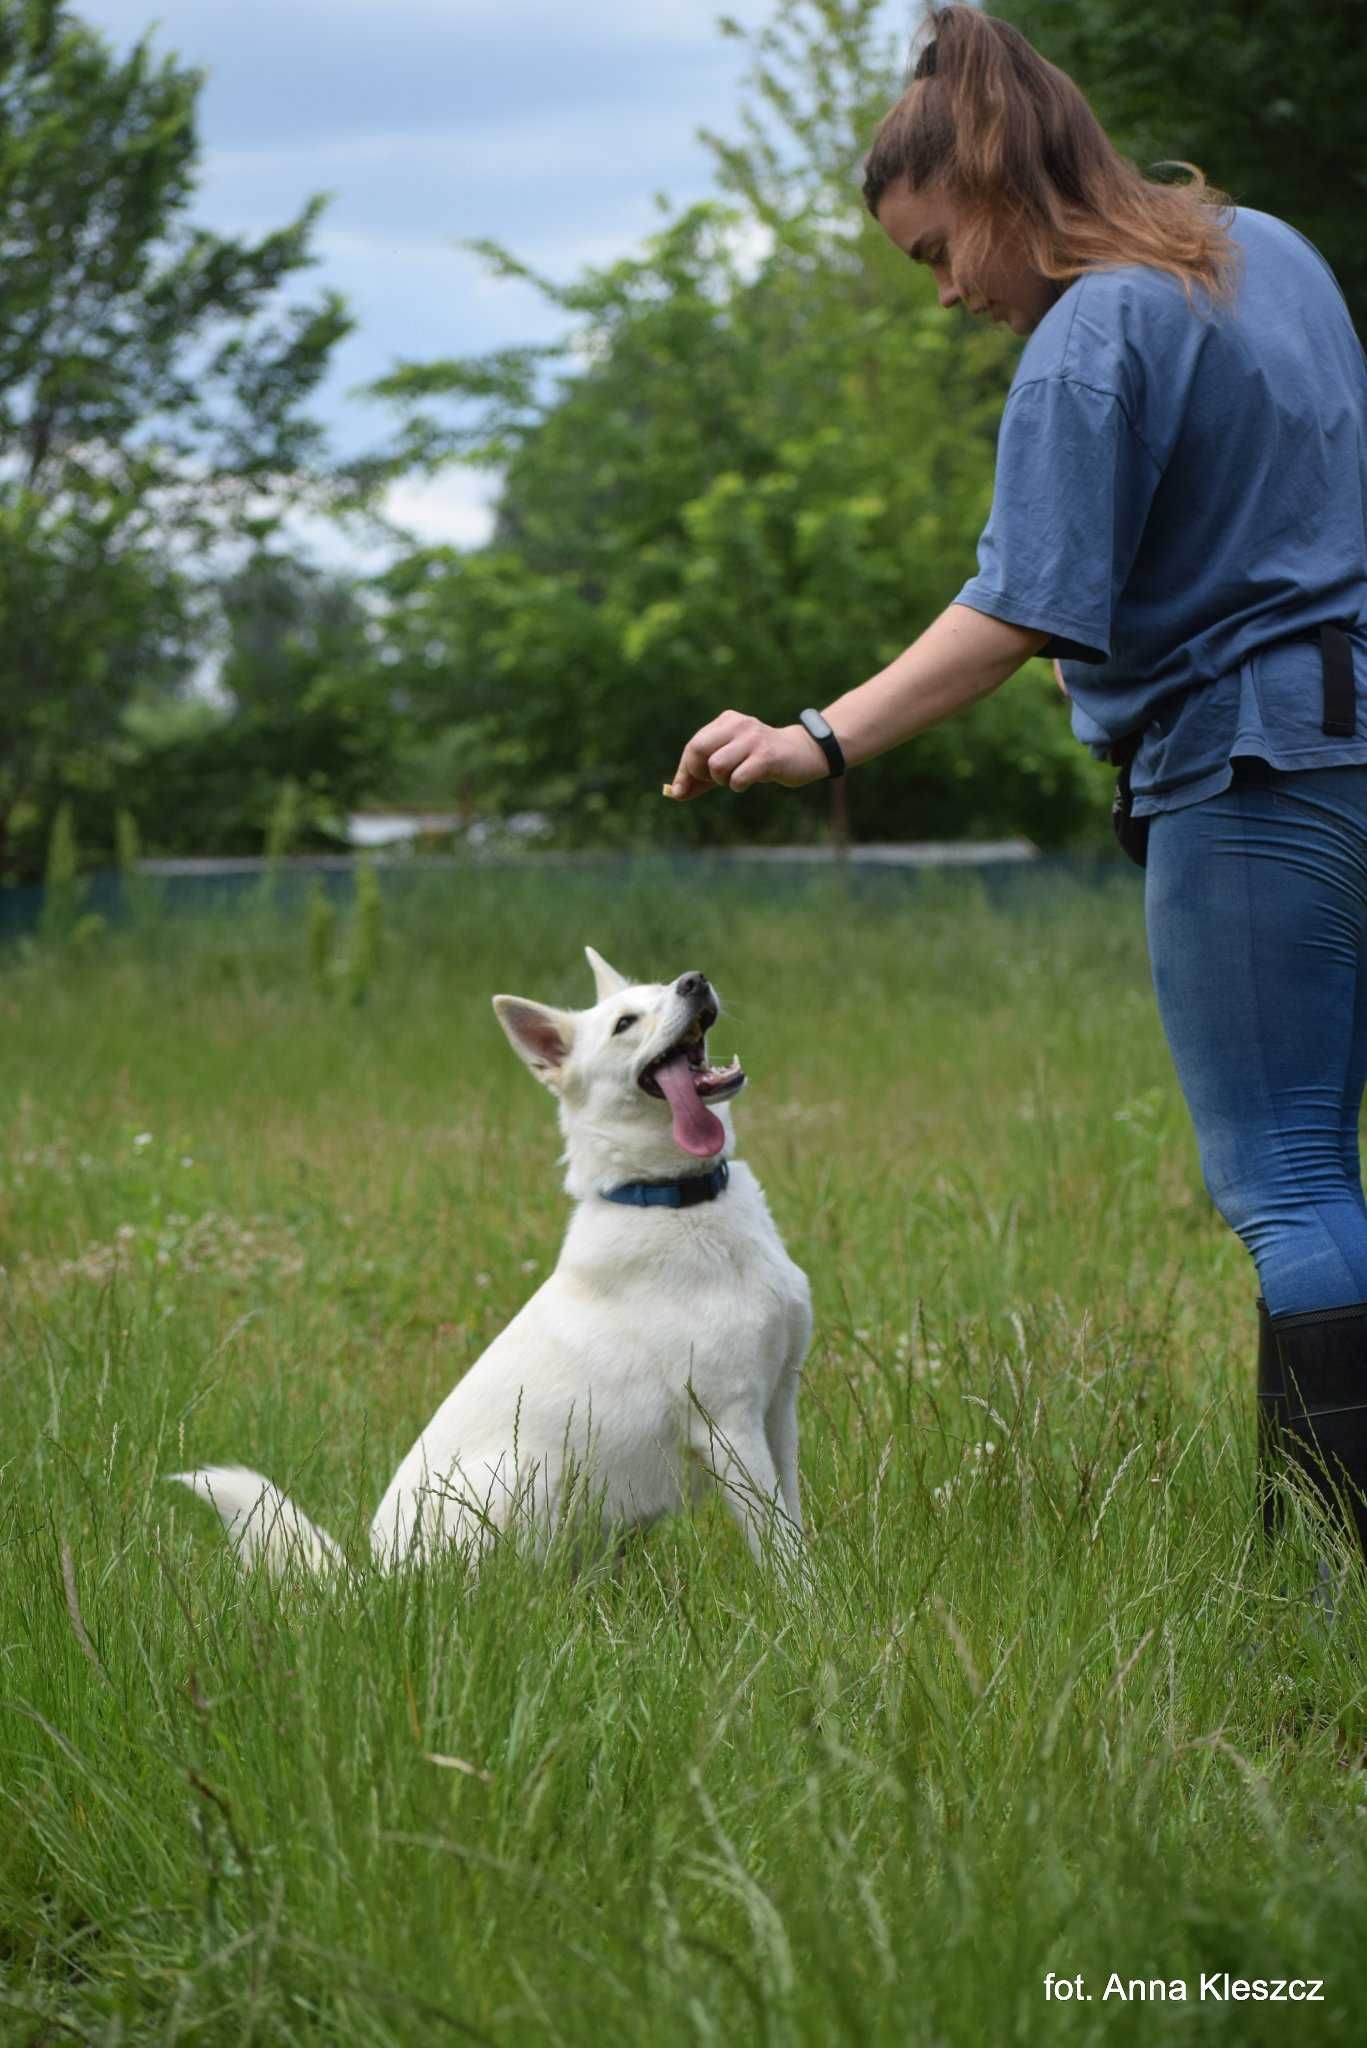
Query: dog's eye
x: 624, y: 1024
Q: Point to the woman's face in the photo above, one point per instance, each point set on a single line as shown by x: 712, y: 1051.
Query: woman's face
x: 924, y: 225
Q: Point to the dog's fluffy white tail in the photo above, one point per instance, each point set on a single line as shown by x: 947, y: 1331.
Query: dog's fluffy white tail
x: 263, y: 1526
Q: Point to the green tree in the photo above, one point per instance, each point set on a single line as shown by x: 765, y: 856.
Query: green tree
x: 762, y: 468
x: 87, y: 616
x: 150, y: 394
x: 305, y: 704
x: 287, y: 620
x: 1266, y: 98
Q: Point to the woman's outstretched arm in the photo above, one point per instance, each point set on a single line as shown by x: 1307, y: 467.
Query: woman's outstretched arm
x: 962, y: 656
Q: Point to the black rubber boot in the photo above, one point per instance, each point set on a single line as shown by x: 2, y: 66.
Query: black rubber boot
x: 1316, y: 1406
x: 1271, y: 1417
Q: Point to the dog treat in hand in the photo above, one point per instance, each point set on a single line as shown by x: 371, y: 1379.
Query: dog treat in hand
x: 667, y: 790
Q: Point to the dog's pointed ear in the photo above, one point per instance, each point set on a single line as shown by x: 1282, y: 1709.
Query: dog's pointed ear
x: 609, y: 982
x: 540, y: 1036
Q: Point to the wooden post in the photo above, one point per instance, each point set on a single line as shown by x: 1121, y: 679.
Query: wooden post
x: 840, y: 817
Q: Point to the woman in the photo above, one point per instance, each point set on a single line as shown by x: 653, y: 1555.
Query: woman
x: 1178, y: 519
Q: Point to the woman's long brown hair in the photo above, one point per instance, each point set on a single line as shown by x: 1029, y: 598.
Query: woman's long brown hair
x: 1012, y: 139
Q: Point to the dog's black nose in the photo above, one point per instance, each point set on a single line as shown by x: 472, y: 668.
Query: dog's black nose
x: 691, y: 985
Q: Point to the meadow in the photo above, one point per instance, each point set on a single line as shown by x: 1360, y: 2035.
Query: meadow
x: 1046, y: 1705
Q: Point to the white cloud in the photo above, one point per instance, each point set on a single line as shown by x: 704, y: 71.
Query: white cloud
x: 370, y: 248
x: 749, y: 242
x: 443, y: 260
x: 454, y: 509
x: 456, y: 506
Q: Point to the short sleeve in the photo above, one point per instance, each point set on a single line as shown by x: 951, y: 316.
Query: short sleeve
x: 1074, y: 483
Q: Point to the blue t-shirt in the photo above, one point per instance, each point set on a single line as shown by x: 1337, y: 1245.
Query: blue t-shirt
x: 1181, y: 501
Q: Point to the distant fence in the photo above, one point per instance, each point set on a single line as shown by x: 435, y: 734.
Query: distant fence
x: 193, y: 887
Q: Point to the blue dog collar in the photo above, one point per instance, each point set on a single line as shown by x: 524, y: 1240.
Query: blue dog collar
x: 672, y: 1194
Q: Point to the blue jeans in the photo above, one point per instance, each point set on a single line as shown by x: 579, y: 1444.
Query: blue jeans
x: 1256, y: 906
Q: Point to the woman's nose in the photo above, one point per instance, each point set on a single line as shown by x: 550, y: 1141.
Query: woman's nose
x: 950, y: 295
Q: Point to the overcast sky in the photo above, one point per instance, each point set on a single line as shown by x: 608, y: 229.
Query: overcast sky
x: 548, y: 125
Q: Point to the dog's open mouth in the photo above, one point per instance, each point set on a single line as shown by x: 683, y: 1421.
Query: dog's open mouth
x: 682, y: 1076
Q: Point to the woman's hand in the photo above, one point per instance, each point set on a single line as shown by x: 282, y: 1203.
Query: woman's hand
x: 734, y: 751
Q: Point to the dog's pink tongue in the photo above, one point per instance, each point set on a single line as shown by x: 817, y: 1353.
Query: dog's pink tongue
x: 695, y: 1127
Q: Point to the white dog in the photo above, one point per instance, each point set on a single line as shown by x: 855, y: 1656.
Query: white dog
x: 663, y: 1352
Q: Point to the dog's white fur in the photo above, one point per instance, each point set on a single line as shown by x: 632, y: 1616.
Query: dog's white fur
x: 663, y: 1352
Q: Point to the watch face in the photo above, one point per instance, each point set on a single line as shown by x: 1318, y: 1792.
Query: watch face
x: 821, y: 732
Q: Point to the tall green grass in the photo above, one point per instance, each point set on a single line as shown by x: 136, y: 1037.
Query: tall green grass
x: 1045, y: 1706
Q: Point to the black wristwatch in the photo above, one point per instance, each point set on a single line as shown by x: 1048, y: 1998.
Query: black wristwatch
x: 821, y: 732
